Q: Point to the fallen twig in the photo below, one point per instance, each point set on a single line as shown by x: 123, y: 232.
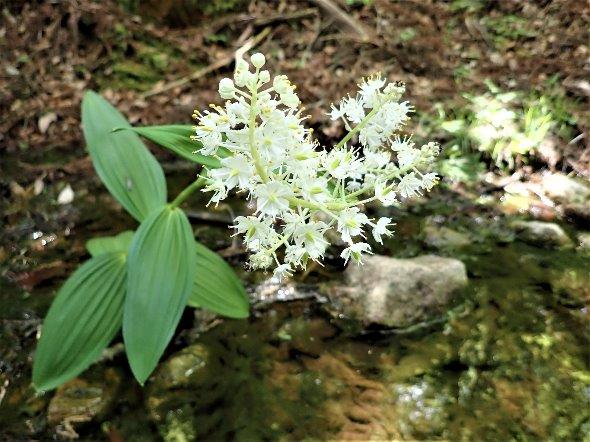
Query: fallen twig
x: 261, y: 21
x: 344, y: 19
x: 248, y: 45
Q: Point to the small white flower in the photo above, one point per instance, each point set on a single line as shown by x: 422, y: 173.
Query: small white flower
x: 355, y: 252
x: 295, y: 254
x: 409, y: 185
x: 370, y: 91
x: 272, y: 198
x: 376, y: 160
x: 219, y: 191
x: 380, y: 229
x: 311, y: 237
x: 385, y: 194
x: 261, y: 260
x: 336, y: 113
x: 350, y: 223
x: 407, y: 157
x: 256, y: 233
x: 354, y: 110
x: 282, y: 271
x: 315, y: 190
x: 341, y: 163
x: 400, y: 144
x: 236, y: 171
x: 429, y: 180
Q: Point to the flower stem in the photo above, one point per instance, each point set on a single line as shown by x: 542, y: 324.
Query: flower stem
x: 251, y: 136
x: 188, y: 190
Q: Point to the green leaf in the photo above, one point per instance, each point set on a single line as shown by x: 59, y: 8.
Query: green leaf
x: 177, y: 138
x: 161, y: 268
x: 122, y: 161
x: 216, y: 287
x: 83, y: 319
x: 119, y: 243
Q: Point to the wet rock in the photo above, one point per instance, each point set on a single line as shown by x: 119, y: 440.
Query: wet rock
x: 271, y: 290
x: 398, y: 292
x: 171, y: 384
x: 82, y: 400
x: 578, y: 213
x: 541, y: 234
x: 565, y: 189
x: 441, y: 237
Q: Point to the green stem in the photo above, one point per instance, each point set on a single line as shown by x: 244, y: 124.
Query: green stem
x: 188, y: 190
x: 251, y: 136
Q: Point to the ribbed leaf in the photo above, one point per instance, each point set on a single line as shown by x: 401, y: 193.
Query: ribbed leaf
x: 177, y: 138
x: 83, y: 319
x: 122, y: 161
x: 161, y: 268
x: 107, y: 244
x: 216, y: 287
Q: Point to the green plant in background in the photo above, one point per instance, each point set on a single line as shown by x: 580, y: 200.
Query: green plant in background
x: 501, y: 125
x: 508, y: 28
x: 138, y: 281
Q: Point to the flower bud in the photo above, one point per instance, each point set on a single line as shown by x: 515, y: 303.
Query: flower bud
x: 241, y: 73
x: 258, y: 60
x: 226, y: 88
x: 290, y: 99
x: 264, y: 76
x: 281, y: 84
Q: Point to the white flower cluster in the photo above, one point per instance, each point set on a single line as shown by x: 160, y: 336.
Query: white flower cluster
x: 301, y: 189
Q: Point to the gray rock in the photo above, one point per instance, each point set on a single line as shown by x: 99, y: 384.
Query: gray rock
x: 541, y: 234
x: 399, y: 292
x: 565, y: 189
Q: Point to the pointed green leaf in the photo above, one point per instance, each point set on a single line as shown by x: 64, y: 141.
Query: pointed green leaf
x: 122, y: 161
x: 216, y: 287
x: 107, y: 244
x: 83, y: 319
x: 177, y: 138
x: 161, y: 268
